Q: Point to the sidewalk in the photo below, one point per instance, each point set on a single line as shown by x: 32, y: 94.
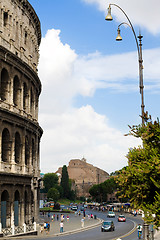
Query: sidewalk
x: 157, y: 235
x: 73, y: 225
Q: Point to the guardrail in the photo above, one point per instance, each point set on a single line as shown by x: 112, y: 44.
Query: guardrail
x: 18, y: 230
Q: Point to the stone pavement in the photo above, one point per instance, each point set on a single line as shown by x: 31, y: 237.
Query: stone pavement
x: 70, y: 226
x: 157, y: 235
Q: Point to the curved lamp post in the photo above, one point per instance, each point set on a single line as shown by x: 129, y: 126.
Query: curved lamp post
x: 139, y: 49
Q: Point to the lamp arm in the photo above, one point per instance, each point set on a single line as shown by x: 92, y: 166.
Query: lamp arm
x: 130, y: 25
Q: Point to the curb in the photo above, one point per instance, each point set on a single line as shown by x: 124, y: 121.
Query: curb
x: 57, y: 234
x: 79, y: 229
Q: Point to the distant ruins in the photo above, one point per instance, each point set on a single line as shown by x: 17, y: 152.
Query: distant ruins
x: 84, y: 175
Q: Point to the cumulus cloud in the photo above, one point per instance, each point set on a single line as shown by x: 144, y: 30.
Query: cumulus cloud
x: 142, y: 13
x: 76, y: 132
x: 83, y: 132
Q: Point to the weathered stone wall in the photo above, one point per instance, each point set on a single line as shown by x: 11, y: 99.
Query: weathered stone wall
x: 20, y: 133
x: 85, y: 175
x: 20, y: 30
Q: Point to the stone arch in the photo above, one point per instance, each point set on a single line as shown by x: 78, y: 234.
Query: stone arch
x: 32, y: 206
x: 4, y: 85
x: 26, y: 207
x: 5, y: 209
x: 16, y: 207
x: 25, y: 95
x: 18, y: 148
x: 5, y: 19
x: 33, y: 152
x: 27, y: 150
x: 31, y: 101
x: 6, y: 145
x: 16, y: 91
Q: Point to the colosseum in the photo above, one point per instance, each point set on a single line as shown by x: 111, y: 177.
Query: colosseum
x: 20, y: 133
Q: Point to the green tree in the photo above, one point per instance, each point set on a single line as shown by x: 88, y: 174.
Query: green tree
x: 140, y: 180
x: 65, y: 182
x: 50, y: 180
x: 53, y: 194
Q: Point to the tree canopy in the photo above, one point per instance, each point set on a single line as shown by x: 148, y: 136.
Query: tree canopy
x: 140, y: 180
x: 65, y: 182
x: 53, y: 194
x: 50, y: 180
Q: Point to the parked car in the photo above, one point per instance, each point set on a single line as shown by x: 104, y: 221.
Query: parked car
x: 121, y: 218
x: 111, y: 214
x: 107, y: 226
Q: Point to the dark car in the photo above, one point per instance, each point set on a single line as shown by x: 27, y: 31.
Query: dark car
x: 107, y: 226
x: 121, y: 218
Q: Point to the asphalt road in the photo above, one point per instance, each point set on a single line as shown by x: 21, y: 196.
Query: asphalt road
x: 124, y: 230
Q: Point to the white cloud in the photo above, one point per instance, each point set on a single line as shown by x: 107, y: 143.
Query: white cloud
x: 142, y: 13
x: 69, y: 132
x: 79, y: 133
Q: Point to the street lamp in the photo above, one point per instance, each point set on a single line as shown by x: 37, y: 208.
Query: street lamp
x: 139, y: 49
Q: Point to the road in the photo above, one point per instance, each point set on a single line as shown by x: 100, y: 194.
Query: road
x: 124, y: 230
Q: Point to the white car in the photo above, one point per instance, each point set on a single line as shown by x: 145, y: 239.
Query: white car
x: 111, y: 214
x: 74, y: 208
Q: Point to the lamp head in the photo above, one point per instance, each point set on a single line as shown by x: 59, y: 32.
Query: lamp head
x: 109, y: 16
x: 118, y: 38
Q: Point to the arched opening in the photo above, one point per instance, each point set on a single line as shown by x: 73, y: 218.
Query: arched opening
x: 4, y: 85
x: 26, y: 208
x: 27, y: 151
x: 16, y: 91
x: 32, y: 207
x: 25, y: 96
x: 32, y: 102
x: 5, y: 209
x: 5, y: 19
x: 18, y: 147
x: 16, y: 207
x: 33, y: 152
x: 6, y: 145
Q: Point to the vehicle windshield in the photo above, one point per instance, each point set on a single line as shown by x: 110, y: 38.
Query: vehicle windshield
x: 106, y: 223
x: 122, y: 216
x: 110, y: 212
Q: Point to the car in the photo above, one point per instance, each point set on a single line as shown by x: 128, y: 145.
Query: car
x: 74, y: 208
x: 107, y: 226
x: 111, y: 214
x: 121, y: 218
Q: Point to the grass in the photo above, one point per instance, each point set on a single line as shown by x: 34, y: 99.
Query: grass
x: 67, y: 201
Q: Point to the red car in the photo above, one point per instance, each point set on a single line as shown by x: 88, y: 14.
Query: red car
x: 121, y: 218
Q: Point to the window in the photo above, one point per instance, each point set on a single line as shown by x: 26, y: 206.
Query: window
x: 5, y: 19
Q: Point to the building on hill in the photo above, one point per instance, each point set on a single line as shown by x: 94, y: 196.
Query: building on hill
x: 85, y: 175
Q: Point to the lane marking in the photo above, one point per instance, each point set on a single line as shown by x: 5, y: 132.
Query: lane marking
x: 130, y: 232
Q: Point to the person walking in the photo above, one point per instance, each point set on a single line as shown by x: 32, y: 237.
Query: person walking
x: 139, y: 228
x: 57, y: 217
x: 82, y: 222
x: 61, y: 227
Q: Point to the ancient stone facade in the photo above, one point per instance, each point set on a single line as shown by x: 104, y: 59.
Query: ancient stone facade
x: 84, y: 175
x: 20, y: 133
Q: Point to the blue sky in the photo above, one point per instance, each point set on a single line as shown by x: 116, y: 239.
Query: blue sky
x: 90, y: 89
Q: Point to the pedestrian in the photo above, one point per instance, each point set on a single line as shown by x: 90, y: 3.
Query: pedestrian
x: 48, y: 227
x: 84, y: 214
x: 82, y: 222
x: 57, y: 217
x: 41, y: 229
x: 61, y: 227
x: 67, y: 218
x: 52, y: 218
x: 139, y: 228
